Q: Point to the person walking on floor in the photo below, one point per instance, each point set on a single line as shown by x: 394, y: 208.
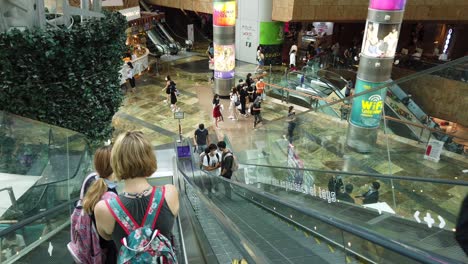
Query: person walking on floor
x: 217, y: 115
x: 167, y: 88
x: 173, y: 94
x: 292, y: 58
x: 260, y: 59
x: 260, y: 89
x: 210, y: 53
x: 234, y: 97
x: 243, y: 94
x: 201, y: 138
x: 256, y: 109
x: 131, y: 76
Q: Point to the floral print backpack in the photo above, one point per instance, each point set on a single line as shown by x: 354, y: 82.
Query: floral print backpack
x: 144, y: 243
x: 84, y: 243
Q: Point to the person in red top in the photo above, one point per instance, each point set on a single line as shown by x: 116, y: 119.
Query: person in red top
x: 217, y: 115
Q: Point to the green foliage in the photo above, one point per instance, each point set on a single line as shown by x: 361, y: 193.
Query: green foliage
x: 68, y: 78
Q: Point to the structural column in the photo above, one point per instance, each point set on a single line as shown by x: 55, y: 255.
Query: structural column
x: 376, y: 60
x: 224, y: 34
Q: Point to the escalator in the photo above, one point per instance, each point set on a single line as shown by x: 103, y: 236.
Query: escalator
x: 160, y: 38
x: 304, y: 231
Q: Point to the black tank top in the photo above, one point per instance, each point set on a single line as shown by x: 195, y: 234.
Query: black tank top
x: 137, y: 208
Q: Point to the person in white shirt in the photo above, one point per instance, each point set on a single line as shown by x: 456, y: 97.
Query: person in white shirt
x: 211, y: 165
x: 130, y: 76
x: 292, y: 58
x: 293, y: 48
x: 234, y: 96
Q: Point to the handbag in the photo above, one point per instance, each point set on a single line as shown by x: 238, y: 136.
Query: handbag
x: 237, y: 103
x: 211, y: 64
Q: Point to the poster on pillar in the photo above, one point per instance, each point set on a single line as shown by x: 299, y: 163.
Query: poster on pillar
x: 224, y: 61
x: 271, y: 39
x: 367, y: 109
x: 380, y: 40
x: 224, y: 14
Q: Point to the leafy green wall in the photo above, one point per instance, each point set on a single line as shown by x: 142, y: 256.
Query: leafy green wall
x: 69, y: 78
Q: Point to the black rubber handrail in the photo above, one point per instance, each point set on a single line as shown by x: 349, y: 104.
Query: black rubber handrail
x: 392, y: 245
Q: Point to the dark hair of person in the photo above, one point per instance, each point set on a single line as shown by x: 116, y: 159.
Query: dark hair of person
x: 349, y: 188
x: 212, y: 147
x: 376, y: 185
x: 222, y: 145
x: 201, y: 126
x: 290, y: 108
x: 168, y: 77
x: 130, y: 65
x: 207, y: 150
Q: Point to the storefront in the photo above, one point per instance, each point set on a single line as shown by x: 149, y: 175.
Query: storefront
x: 137, y: 39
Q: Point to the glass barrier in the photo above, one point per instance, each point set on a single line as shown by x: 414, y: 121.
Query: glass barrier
x: 41, y: 167
x: 307, y: 225
x: 16, y: 244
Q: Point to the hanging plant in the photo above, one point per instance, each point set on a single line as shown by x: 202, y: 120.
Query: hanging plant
x: 68, y: 78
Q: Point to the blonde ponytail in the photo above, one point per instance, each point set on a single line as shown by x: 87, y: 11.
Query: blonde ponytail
x: 94, y: 194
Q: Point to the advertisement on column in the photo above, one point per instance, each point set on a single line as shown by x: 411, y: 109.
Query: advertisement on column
x: 387, y: 4
x: 224, y: 14
x: 224, y: 61
x: 380, y: 40
x: 367, y: 108
x: 271, y: 39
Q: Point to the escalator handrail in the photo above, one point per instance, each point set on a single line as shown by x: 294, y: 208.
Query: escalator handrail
x: 366, y: 174
x: 402, y: 80
x: 395, y: 246
x: 226, y: 224
x: 35, y: 218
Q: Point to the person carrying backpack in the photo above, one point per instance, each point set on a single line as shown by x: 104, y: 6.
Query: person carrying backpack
x: 228, y: 166
x: 139, y: 220
x: 86, y: 245
x: 211, y: 163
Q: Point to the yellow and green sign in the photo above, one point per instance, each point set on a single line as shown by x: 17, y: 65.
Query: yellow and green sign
x: 368, y: 108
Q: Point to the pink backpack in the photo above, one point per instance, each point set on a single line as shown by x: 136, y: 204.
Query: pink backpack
x: 84, y: 245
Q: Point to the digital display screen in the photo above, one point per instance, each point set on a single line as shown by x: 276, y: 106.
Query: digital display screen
x: 387, y: 4
x: 224, y: 14
x: 224, y: 61
x: 380, y: 40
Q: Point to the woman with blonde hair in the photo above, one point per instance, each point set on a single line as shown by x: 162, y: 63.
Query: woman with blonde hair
x: 133, y: 160
x: 101, y: 186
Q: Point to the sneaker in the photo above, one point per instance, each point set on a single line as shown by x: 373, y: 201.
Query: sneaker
x: 165, y: 101
x: 230, y: 117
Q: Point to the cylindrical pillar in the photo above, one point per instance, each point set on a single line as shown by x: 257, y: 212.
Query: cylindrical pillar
x: 224, y: 34
x: 376, y: 60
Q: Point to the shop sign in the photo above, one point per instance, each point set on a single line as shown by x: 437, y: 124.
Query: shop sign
x: 131, y: 13
x: 433, y: 150
x: 323, y: 27
x: 380, y: 40
x: 224, y: 61
x: 271, y: 33
x: 224, y: 13
x: 112, y: 2
x: 387, y: 4
x: 367, y: 108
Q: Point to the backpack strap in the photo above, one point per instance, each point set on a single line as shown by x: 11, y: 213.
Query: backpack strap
x: 121, y: 215
x: 154, y: 207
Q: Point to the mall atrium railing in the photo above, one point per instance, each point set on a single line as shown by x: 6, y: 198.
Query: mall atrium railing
x: 42, y: 167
